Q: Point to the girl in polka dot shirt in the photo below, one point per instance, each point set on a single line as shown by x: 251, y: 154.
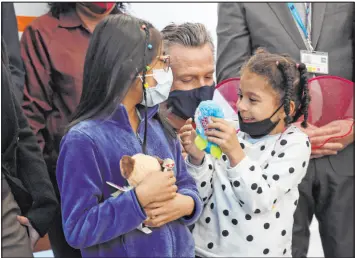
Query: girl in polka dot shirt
x: 251, y: 193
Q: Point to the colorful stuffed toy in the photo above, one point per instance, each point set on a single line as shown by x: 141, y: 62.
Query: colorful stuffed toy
x: 134, y: 169
x: 204, y: 111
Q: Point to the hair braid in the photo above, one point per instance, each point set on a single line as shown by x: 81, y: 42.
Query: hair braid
x: 284, y: 67
x: 306, y: 98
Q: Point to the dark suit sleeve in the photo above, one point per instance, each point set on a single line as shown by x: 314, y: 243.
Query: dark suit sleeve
x: 9, y: 32
x: 233, y: 40
x: 32, y: 171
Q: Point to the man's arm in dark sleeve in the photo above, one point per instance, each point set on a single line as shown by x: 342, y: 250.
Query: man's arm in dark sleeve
x: 233, y: 40
x: 9, y: 32
x: 33, y: 173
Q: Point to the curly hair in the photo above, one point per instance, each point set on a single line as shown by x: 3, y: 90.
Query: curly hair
x: 286, y: 77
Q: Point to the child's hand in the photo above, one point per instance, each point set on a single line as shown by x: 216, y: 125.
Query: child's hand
x: 226, y: 138
x: 187, y: 138
x: 156, y: 187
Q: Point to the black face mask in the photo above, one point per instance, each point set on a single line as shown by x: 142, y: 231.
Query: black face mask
x: 258, y: 129
x: 185, y: 102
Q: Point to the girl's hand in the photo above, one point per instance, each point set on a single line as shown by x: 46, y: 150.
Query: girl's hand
x: 187, y: 137
x: 156, y: 187
x: 160, y: 213
x: 226, y: 138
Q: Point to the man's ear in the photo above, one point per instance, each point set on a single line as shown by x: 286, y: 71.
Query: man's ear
x: 127, y: 166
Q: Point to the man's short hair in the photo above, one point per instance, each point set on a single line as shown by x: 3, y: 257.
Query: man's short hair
x: 187, y: 34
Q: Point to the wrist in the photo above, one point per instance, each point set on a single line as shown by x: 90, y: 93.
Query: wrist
x: 196, y: 160
x: 142, y: 198
x: 189, y: 205
x: 235, y: 157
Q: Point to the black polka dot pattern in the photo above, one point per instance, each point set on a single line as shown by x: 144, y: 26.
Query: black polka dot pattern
x: 296, y: 202
x: 307, y: 142
x: 257, y: 211
x: 291, y: 170
x: 252, y: 168
x: 266, y: 225
x: 226, y: 212
x: 262, y: 148
x: 283, y: 142
x: 211, y: 179
x: 223, y: 187
x: 304, y: 164
x: 254, y: 186
x: 234, y: 222
x: 209, y: 198
x: 275, y: 201
x: 266, y: 251
x: 290, y: 133
x: 284, y: 252
x: 266, y: 166
x: 208, y: 219
x: 260, y: 190
x: 210, y: 245
x: 289, y: 190
x: 225, y: 233
x: 242, y: 145
x: 273, y: 153
x: 277, y: 215
x: 224, y: 157
x: 250, y: 238
x: 203, y: 184
x: 276, y: 177
x: 241, y: 201
x: 247, y: 217
x: 283, y: 232
x: 236, y: 183
x: 204, y: 199
x: 281, y: 155
x: 265, y: 177
x: 210, y: 167
x: 212, y: 206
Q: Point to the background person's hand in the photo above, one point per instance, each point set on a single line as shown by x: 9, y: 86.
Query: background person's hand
x: 33, y: 234
x: 161, y: 213
x: 156, y: 187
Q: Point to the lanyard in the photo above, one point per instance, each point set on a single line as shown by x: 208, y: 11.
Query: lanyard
x: 297, y: 17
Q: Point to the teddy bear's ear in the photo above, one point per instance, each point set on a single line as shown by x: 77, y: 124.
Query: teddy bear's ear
x: 127, y: 166
x: 159, y: 160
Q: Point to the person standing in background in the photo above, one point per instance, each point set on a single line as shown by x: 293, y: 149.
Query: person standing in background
x: 28, y: 200
x: 191, y: 51
x: 53, y: 49
x: 327, y: 189
x: 9, y: 32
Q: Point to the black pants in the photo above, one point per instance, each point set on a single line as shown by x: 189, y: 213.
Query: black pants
x: 59, y: 245
x: 327, y: 191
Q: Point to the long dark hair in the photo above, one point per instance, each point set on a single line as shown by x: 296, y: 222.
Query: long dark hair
x: 286, y: 77
x: 117, y: 53
x: 57, y: 8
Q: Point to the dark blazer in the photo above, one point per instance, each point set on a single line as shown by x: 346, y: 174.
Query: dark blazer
x: 9, y: 32
x: 21, y: 158
x: 243, y: 27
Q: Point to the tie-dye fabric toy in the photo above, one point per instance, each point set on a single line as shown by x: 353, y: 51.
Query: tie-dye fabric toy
x: 204, y: 111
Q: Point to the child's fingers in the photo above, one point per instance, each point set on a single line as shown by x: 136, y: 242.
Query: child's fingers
x: 185, y: 134
x: 216, y: 140
x: 220, y: 126
x: 218, y: 134
x: 186, y: 128
x: 219, y: 120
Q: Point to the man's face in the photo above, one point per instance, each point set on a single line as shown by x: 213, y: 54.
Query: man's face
x: 192, y: 67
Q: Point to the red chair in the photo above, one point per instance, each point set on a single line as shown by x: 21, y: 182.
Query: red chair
x: 332, y: 99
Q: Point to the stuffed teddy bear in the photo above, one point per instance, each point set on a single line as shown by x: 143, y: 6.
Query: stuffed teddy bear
x: 134, y: 169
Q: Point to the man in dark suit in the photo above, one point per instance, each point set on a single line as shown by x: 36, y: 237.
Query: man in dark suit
x: 327, y: 189
x: 27, y: 194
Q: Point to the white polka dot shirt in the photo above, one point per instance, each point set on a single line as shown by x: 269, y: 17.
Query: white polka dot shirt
x: 248, y: 209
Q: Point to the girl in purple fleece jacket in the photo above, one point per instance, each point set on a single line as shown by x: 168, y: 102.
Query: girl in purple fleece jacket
x: 126, y: 76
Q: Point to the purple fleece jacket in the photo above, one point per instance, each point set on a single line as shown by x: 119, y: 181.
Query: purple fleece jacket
x: 100, y: 225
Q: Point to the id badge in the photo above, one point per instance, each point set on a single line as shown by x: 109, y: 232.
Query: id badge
x: 315, y: 61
